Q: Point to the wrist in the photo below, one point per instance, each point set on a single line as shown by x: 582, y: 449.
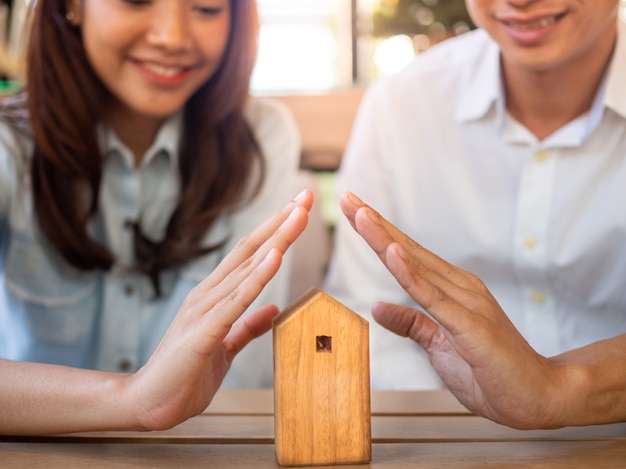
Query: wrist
x: 567, y: 394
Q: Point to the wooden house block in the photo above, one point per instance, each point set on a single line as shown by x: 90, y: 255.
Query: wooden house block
x: 321, y: 383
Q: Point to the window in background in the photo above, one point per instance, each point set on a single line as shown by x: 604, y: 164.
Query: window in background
x: 316, y: 45
x: 304, y: 45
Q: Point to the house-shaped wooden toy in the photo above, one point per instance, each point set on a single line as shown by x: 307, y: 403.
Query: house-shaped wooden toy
x: 321, y: 383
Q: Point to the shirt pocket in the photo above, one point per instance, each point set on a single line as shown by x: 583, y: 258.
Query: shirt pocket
x: 57, y: 303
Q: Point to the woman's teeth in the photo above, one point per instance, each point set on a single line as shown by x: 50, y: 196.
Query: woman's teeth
x: 162, y: 70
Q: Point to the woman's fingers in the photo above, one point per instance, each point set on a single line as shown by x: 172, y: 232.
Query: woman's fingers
x: 240, y: 290
x: 278, y: 231
x: 248, y: 328
x: 253, y: 258
x: 227, y: 293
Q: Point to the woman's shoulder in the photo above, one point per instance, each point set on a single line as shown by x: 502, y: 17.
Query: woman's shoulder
x: 266, y: 112
x: 15, y: 127
x: 15, y: 139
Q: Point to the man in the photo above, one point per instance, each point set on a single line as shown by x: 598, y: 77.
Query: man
x: 504, y: 151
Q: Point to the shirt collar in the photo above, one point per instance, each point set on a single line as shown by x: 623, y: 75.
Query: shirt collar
x: 482, y: 82
x: 615, y: 97
x: 166, y: 142
x: 486, y: 89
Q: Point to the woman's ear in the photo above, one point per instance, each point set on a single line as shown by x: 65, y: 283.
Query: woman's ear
x: 74, y: 12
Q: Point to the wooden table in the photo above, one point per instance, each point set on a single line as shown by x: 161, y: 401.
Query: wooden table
x: 409, y: 430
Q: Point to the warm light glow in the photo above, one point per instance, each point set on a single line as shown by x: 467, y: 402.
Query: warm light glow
x: 304, y: 45
x: 295, y: 57
x: 393, y: 54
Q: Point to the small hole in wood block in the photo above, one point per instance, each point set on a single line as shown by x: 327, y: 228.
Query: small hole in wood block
x: 324, y: 343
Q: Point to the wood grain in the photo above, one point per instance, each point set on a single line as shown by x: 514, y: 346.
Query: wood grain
x: 432, y: 433
x: 321, y: 383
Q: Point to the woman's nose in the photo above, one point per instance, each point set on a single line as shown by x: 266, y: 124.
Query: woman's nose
x: 169, y: 28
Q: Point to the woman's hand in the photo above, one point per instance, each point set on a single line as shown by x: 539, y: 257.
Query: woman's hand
x: 189, y: 365
x: 183, y: 374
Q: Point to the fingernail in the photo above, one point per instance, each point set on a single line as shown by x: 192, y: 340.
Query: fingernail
x: 293, y: 213
x: 354, y: 199
x: 300, y: 197
x: 400, y: 251
x: 270, y: 256
x: 373, y: 215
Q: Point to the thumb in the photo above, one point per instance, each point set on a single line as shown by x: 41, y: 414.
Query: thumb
x: 247, y: 328
x: 406, y: 322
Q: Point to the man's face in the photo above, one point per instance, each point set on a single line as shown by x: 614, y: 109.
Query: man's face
x: 539, y: 35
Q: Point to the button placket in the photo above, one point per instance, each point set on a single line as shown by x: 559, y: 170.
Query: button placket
x: 531, y: 257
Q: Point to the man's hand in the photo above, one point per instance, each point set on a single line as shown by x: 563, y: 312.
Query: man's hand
x: 471, y: 342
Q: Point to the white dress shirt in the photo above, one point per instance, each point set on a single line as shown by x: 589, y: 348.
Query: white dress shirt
x: 50, y: 312
x: 543, y: 223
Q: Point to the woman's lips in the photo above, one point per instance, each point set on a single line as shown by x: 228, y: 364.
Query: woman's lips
x: 164, y: 74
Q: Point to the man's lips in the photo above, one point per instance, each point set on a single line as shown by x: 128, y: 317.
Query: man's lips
x: 532, y: 24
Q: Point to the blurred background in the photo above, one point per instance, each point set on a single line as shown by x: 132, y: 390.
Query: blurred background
x: 317, y: 56
x: 314, y: 45
x: 310, y: 45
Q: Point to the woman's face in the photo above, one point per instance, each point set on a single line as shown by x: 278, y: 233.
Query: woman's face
x: 153, y: 55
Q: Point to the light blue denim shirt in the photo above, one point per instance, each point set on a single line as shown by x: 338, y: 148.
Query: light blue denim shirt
x: 50, y: 312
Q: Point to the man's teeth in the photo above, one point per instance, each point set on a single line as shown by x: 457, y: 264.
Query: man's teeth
x: 162, y: 70
x: 542, y: 23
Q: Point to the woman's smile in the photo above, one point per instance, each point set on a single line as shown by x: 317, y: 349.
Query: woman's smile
x: 162, y: 74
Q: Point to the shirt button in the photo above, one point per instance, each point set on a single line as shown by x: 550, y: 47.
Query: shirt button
x: 129, y: 289
x: 124, y: 365
x: 530, y: 242
x: 538, y: 297
x: 541, y: 156
x: 129, y: 224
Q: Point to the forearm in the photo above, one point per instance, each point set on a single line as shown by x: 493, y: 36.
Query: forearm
x: 37, y: 399
x: 593, y: 390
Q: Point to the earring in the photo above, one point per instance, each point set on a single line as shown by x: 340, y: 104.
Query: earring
x: 70, y: 16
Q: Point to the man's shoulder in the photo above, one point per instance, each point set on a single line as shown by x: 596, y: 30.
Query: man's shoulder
x: 439, y: 73
x: 453, y: 55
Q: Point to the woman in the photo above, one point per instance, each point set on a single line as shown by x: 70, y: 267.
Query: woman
x: 131, y: 163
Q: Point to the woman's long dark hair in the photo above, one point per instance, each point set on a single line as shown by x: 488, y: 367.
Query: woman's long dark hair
x: 65, y: 100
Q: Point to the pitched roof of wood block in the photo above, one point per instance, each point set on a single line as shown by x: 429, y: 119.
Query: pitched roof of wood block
x: 311, y: 296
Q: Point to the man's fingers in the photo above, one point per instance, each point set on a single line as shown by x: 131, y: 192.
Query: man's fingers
x: 406, y: 322
x: 380, y: 233
x: 438, y: 286
x: 441, y: 298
